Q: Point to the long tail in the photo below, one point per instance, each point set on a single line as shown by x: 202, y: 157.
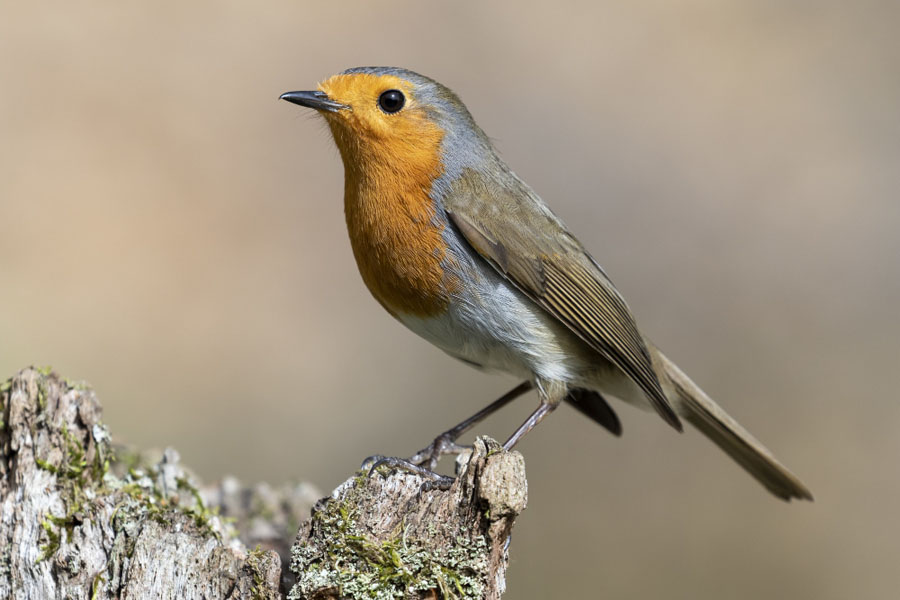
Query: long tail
x: 707, y: 416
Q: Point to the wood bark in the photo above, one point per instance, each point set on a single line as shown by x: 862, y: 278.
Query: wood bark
x: 81, y: 518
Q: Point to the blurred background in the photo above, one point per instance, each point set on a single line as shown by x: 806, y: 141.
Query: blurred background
x: 173, y: 234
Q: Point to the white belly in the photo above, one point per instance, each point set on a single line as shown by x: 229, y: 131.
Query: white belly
x: 494, y: 326
x: 491, y: 324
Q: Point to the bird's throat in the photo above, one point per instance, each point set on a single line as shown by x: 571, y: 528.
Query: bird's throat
x: 395, y: 228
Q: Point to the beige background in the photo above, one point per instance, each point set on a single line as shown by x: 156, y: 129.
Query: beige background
x: 173, y: 234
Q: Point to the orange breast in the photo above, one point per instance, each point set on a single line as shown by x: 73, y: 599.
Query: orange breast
x: 397, y: 239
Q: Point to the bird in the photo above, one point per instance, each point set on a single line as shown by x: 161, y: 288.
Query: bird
x: 460, y: 250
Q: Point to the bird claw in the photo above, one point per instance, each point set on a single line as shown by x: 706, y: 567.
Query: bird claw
x: 369, y: 461
x: 432, y: 480
x: 429, y: 456
x: 424, y: 462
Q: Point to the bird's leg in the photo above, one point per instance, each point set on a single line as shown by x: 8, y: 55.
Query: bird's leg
x: 425, y: 460
x: 551, y: 394
x: 446, y: 442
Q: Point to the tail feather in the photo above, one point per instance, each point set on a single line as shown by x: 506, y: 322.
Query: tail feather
x: 595, y: 406
x: 707, y: 416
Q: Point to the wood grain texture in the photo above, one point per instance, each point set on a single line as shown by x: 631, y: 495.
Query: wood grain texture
x: 72, y: 528
x: 75, y: 523
x: 443, y: 544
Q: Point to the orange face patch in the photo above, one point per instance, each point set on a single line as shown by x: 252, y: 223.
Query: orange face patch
x: 360, y: 91
x: 390, y: 163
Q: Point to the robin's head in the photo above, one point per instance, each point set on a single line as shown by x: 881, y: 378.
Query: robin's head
x: 390, y: 118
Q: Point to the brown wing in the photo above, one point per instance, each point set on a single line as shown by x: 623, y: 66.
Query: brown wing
x: 505, y: 222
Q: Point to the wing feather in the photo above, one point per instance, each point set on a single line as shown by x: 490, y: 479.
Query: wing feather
x: 510, y: 227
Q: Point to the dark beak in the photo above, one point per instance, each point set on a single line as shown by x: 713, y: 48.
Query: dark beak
x: 316, y: 100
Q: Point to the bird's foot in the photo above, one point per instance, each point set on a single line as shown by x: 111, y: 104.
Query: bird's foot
x: 429, y: 456
x: 432, y: 480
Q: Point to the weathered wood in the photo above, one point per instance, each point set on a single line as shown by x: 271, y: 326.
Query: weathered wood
x: 388, y: 538
x: 84, y: 520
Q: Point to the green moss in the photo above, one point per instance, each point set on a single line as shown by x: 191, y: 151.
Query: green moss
x: 359, y: 567
x: 254, y: 558
x: 83, y: 473
x: 198, y: 511
x: 43, y: 464
x: 53, y: 540
x: 80, y: 386
x: 74, y: 465
x: 95, y: 585
x: 145, y: 499
x: 42, y: 394
x: 75, y: 476
x: 149, y: 501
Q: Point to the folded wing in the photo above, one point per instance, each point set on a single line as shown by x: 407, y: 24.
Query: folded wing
x: 506, y: 224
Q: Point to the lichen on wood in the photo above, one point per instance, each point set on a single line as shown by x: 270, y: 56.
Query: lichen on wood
x: 73, y: 527
x: 387, y: 537
x: 81, y: 518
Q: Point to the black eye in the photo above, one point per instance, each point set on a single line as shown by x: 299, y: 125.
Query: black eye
x: 391, y: 101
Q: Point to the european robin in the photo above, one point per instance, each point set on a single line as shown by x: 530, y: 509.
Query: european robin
x: 460, y: 250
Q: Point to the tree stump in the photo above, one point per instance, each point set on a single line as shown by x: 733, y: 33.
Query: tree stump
x: 80, y: 518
